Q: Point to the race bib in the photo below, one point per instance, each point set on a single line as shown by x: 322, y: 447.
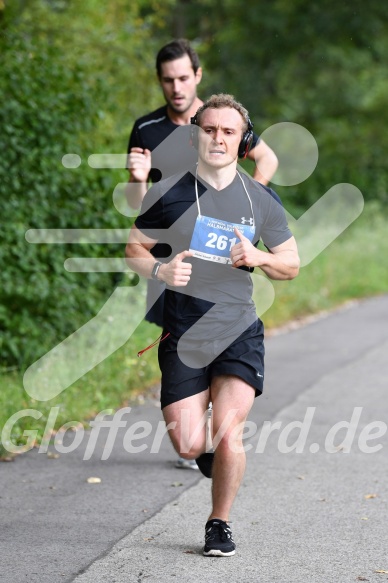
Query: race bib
x: 213, y: 239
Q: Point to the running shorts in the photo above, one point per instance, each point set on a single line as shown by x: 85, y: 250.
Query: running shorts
x: 244, y: 358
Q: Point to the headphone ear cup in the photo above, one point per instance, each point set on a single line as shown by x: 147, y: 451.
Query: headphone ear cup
x: 246, y: 141
x: 245, y: 144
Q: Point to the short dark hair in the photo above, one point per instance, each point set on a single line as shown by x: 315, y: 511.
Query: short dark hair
x: 175, y: 50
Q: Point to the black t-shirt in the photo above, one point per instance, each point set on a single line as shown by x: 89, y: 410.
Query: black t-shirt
x: 169, y: 213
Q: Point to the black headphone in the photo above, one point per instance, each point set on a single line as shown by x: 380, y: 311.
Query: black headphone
x: 244, y: 146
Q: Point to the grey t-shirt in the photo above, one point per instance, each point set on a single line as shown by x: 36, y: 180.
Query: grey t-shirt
x: 169, y: 215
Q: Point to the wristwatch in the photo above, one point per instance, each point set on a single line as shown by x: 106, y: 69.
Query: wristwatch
x: 155, y: 270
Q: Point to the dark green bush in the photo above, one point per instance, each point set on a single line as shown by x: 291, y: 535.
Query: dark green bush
x: 48, y: 108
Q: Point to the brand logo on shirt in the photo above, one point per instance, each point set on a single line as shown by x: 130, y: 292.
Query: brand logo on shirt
x: 244, y: 221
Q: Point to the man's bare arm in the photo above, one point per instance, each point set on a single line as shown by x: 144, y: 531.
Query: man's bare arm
x: 175, y: 273
x: 266, y: 162
x: 282, y: 262
x: 139, y: 166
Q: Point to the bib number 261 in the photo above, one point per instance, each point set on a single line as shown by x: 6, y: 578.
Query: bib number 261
x: 220, y: 242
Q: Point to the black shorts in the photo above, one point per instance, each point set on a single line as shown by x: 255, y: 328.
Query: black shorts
x: 243, y: 358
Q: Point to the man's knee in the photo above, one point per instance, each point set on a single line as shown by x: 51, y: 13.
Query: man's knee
x: 192, y: 454
x: 187, y: 446
x: 187, y: 450
x: 229, y: 439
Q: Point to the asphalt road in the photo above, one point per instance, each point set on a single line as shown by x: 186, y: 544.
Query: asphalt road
x: 312, y: 507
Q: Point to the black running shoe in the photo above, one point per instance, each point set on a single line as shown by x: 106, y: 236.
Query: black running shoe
x: 205, y: 463
x: 218, y: 539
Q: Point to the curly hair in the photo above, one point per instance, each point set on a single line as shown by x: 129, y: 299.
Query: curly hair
x: 221, y: 100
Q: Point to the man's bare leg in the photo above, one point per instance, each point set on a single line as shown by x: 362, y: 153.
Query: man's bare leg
x: 186, y: 421
x: 232, y: 400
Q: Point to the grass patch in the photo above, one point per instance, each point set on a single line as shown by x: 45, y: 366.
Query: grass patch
x: 110, y: 385
x: 353, y: 266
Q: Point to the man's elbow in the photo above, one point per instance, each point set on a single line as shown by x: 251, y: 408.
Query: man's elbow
x: 293, y: 271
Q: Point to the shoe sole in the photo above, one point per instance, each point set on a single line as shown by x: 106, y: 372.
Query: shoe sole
x: 195, y: 468
x: 217, y: 553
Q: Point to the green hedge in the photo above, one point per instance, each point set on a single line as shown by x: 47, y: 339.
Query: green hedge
x: 47, y: 110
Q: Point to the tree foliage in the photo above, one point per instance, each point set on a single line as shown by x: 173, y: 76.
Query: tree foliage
x: 321, y: 65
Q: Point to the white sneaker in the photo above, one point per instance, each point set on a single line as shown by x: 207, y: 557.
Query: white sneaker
x: 186, y: 464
